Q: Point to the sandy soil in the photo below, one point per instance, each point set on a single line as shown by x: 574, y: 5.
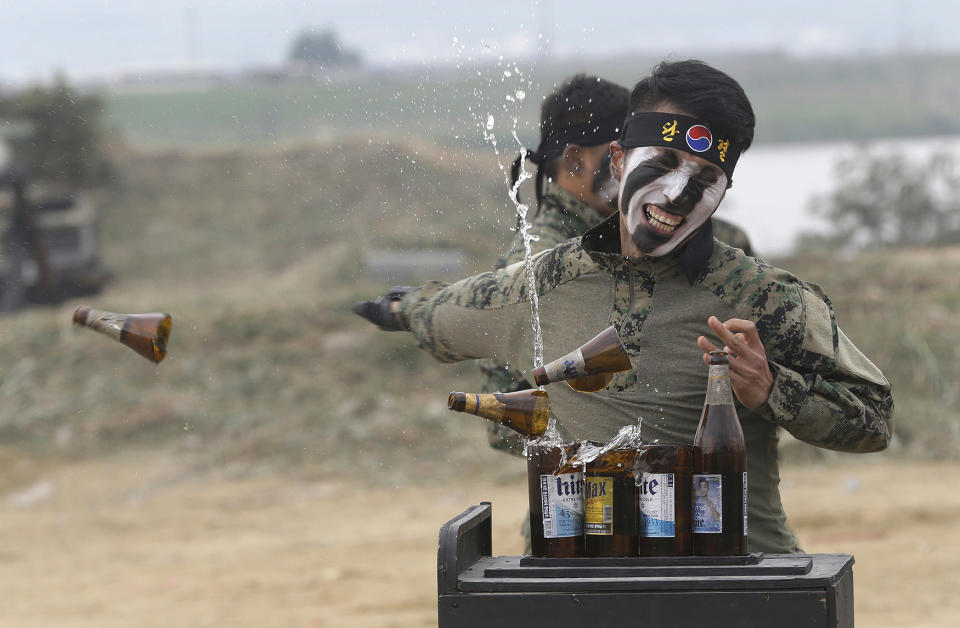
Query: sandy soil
x: 137, y: 543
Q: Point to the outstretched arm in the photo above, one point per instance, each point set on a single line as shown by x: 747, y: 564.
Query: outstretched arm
x: 482, y: 316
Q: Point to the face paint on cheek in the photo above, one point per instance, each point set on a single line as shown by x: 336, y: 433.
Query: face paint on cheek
x: 663, y: 200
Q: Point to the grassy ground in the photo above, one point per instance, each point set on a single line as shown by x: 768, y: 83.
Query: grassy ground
x: 259, y: 256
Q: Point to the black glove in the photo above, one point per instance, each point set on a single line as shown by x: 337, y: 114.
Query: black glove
x: 378, y: 312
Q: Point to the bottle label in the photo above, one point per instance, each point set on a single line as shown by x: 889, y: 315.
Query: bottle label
x: 108, y: 323
x: 744, y: 503
x: 561, y: 499
x: 599, y: 506
x: 658, y: 518
x: 707, y: 503
x: 568, y: 367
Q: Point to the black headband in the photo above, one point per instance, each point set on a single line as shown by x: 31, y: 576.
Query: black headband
x: 582, y: 134
x: 552, y: 146
x: 654, y: 128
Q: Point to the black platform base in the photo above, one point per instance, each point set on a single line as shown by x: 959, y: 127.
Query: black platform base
x: 784, y: 590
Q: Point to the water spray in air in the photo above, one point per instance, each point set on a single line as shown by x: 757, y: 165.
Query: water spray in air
x: 513, y: 100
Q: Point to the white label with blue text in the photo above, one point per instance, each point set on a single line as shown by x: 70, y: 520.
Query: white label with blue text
x: 658, y: 517
x: 569, y: 366
x: 561, y: 498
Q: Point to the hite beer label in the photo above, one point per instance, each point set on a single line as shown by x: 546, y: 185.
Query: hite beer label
x: 708, y: 503
x: 561, y: 500
x: 567, y: 367
x: 658, y: 517
x: 599, y: 506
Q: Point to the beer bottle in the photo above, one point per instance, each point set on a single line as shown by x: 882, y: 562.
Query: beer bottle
x: 719, y: 470
x: 525, y: 411
x: 556, y: 501
x: 662, y: 474
x: 610, y: 511
x: 589, y: 368
x: 147, y: 334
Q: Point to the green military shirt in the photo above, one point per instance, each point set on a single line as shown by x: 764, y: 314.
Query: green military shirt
x: 825, y: 391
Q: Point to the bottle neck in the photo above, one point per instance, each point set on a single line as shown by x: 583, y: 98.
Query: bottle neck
x: 718, y: 386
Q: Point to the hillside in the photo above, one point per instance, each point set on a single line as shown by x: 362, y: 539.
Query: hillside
x: 819, y: 99
x: 259, y: 255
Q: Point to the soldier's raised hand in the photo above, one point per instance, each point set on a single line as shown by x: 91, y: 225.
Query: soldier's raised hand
x: 750, y: 374
x: 382, y: 311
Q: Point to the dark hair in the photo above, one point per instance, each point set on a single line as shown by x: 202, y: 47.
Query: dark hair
x: 701, y: 91
x: 580, y: 99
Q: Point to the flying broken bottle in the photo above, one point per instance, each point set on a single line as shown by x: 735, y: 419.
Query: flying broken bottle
x: 589, y: 368
x: 147, y: 334
x: 525, y: 411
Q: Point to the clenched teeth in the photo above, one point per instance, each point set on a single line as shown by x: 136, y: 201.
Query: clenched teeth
x: 662, y: 221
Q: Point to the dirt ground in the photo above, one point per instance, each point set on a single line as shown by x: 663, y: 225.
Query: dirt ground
x: 137, y: 543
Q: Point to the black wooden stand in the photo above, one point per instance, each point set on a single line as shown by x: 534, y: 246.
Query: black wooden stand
x: 476, y: 589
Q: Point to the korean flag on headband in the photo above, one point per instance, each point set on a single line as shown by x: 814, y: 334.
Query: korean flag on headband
x: 699, y: 138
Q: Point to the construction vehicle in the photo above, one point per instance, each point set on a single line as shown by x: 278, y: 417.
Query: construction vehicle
x: 49, y: 247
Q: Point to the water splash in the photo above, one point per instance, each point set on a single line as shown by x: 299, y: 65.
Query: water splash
x: 627, y: 437
x: 511, y: 107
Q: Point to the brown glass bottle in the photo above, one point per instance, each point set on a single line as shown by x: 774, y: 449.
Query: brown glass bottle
x: 525, y: 411
x: 556, y: 502
x: 147, y: 334
x: 662, y: 474
x: 610, y: 510
x: 589, y: 368
x: 719, y: 482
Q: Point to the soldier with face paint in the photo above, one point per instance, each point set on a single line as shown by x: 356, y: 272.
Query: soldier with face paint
x: 655, y: 271
x: 575, y: 192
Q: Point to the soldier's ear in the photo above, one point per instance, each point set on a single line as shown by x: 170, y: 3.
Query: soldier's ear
x: 572, y: 159
x: 616, y: 160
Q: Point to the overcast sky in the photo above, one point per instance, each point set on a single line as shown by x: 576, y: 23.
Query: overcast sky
x: 88, y: 38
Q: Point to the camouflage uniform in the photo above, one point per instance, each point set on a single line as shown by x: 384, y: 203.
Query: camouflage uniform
x: 560, y: 216
x: 825, y: 391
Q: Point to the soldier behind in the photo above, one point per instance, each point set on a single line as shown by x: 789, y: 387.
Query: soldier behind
x: 575, y: 192
x: 674, y: 293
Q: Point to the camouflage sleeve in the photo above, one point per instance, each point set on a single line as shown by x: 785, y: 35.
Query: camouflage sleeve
x: 825, y: 391
x: 484, y: 316
x: 545, y: 235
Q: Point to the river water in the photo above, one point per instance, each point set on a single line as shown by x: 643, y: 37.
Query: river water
x: 775, y: 184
